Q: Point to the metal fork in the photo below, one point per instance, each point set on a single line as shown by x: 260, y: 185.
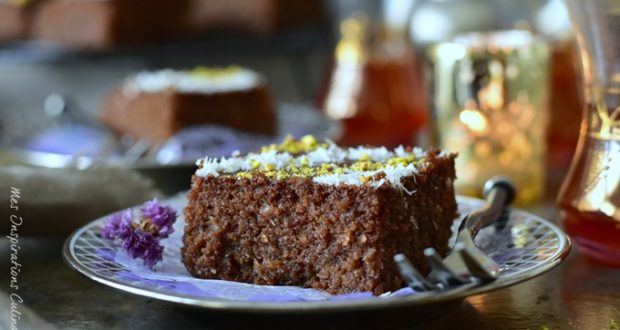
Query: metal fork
x: 466, y: 264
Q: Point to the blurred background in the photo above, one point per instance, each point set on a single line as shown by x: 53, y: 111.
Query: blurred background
x: 495, y: 80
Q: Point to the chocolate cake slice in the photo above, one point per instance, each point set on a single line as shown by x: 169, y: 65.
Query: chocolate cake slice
x: 252, y: 16
x: 105, y: 24
x: 155, y: 105
x: 16, y: 18
x: 317, y: 215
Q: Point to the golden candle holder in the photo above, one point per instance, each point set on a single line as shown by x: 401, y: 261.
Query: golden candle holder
x: 490, y: 105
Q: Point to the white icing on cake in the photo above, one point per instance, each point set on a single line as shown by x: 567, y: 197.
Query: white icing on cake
x: 188, y: 82
x: 332, y: 154
x: 329, y: 154
x: 393, y: 175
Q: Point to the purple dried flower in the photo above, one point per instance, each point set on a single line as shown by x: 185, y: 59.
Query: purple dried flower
x: 142, y: 239
x: 163, y: 217
x: 145, y: 246
x: 119, y: 225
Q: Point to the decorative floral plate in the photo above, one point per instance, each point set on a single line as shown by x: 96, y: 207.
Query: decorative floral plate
x: 525, y: 247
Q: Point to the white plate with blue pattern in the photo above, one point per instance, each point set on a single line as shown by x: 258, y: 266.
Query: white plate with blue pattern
x: 525, y: 247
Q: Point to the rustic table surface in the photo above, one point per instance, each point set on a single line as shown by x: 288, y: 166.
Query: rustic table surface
x: 579, y: 294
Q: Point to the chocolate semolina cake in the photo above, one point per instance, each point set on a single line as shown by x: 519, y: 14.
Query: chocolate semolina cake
x: 252, y: 16
x: 157, y: 104
x: 104, y: 24
x: 15, y: 18
x: 316, y: 215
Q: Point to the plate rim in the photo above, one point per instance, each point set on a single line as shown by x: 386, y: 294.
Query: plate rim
x: 330, y: 306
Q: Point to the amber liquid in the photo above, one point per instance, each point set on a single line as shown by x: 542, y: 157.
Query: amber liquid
x: 390, y: 105
x: 597, y: 234
x: 590, y: 199
x: 565, y: 104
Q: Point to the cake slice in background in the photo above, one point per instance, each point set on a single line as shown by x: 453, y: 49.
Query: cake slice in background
x: 252, y: 16
x: 317, y: 215
x: 104, y: 24
x: 154, y: 105
x: 16, y: 18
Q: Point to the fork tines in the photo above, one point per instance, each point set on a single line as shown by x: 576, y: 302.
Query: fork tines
x: 410, y: 274
x: 466, y: 264
x: 442, y: 277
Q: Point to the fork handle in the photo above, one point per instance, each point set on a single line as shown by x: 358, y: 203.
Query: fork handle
x: 499, y: 193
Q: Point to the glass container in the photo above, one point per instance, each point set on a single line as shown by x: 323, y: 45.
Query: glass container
x: 375, y: 89
x: 490, y: 98
x: 590, y: 196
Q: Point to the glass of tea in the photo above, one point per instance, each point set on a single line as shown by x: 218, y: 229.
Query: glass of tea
x: 590, y: 196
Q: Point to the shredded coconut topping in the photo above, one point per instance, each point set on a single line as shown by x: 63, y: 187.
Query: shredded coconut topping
x: 199, y: 80
x: 326, y: 163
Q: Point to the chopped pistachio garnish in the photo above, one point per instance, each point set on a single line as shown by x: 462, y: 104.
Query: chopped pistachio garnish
x: 401, y: 160
x: 209, y: 72
x: 309, y: 142
x: 366, y: 166
x: 254, y: 164
x: 244, y: 175
x: 305, y: 144
x: 302, y: 168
